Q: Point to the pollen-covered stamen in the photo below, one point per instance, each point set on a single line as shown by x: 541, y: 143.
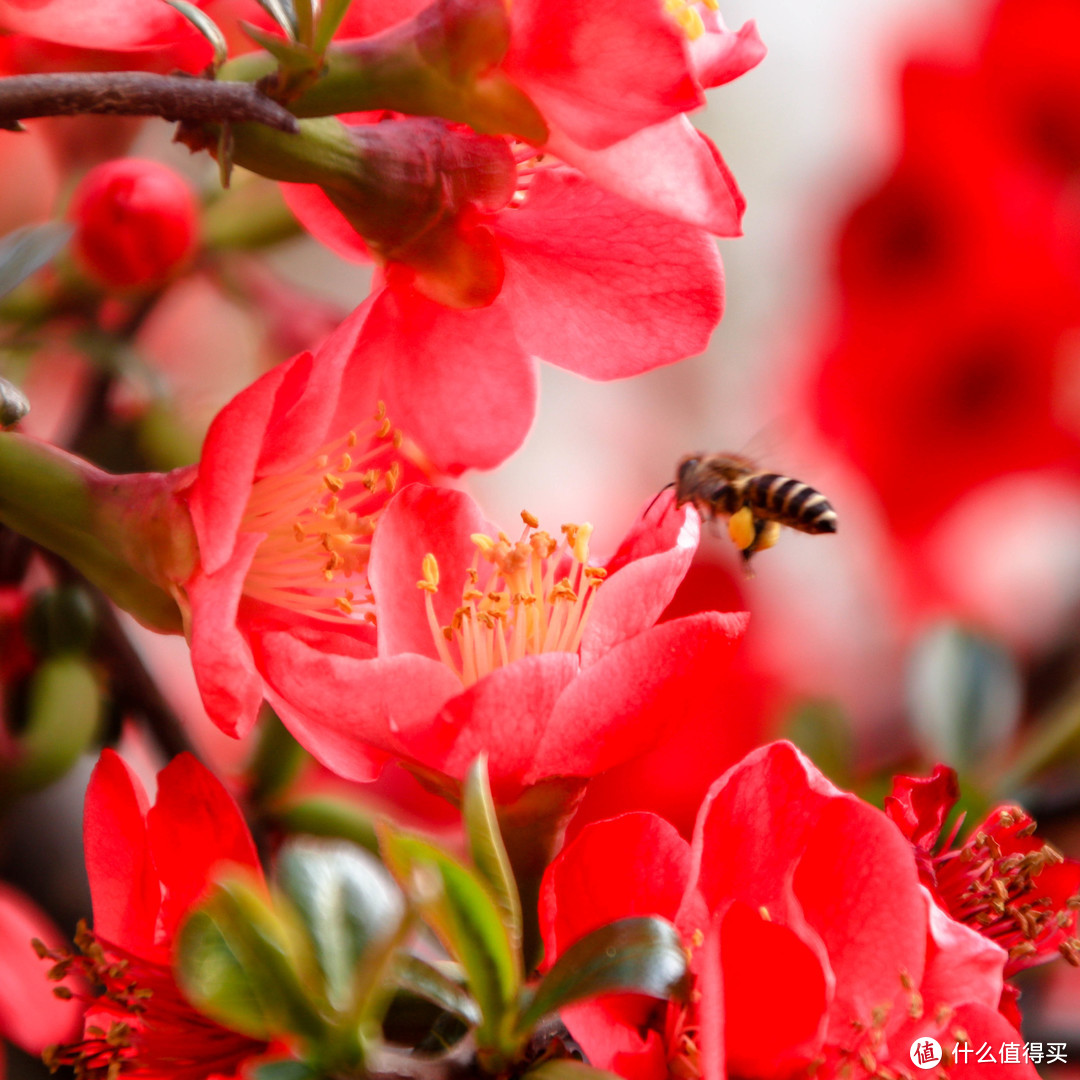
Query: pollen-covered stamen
x: 142, y: 1026
x: 319, y: 520
x: 534, y: 596
x: 997, y: 891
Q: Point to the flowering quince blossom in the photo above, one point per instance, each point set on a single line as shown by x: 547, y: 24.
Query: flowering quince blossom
x: 1002, y: 881
x: 521, y: 649
x: 596, y: 258
x: 814, y: 946
x: 148, y: 866
x: 283, y: 504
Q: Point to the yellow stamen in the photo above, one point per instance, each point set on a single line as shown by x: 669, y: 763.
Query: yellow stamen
x: 430, y: 569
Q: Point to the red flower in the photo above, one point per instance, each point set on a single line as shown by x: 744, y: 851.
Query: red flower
x: 136, y: 222
x: 814, y: 947
x: 1011, y: 887
x: 293, y: 475
x: 147, y: 867
x: 518, y: 648
x: 560, y: 270
x: 30, y: 1015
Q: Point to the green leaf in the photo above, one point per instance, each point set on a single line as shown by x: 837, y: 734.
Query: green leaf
x: 426, y: 981
x: 488, y: 851
x: 965, y: 695
x: 283, y: 13
x: 206, y: 26
x: 330, y: 15
x: 457, y: 905
x: 569, y: 1069
x: 631, y: 956
x: 349, y: 905
x: 285, y: 1069
x: 323, y: 815
x: 291, y: 55
x: 235, y: 962
x: 25, y: 251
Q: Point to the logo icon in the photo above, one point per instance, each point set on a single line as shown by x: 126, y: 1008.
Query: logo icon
x: 925, y: 1053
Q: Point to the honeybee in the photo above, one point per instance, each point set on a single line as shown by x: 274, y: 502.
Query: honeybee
x: 755, y: 502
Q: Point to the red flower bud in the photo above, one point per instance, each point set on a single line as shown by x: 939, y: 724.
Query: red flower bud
x: 136, y: 223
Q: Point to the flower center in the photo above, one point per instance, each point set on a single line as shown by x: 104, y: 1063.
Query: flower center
x: 687, y: 17
x: 142, y: 1026
x: 997, y: 893
x: 533, y: 596
x: 318, y: 522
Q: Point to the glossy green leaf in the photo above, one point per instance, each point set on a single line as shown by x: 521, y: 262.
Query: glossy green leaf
x: 426, y: 981
x: 458, y: 906
x: 488, y: 851
x: 349, y: 905
x: 631, y: 956
x: 235, y: 962
x: 323, y: 815
x: 25, y: 251
x: 206, y: 26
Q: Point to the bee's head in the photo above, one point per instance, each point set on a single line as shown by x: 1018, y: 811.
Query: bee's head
x: 685, y: 478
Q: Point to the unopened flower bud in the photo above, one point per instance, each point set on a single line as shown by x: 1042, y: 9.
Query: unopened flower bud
x: 136, y: 223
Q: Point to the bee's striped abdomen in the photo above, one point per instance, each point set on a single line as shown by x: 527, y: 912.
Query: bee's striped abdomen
x: 791, y: 502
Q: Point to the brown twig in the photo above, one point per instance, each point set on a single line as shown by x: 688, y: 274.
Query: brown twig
x: 137, y: 93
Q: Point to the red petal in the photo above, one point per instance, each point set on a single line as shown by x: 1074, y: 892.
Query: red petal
x: 859, y: 889
x: 642, y: 578
x: 194, y: 827
x: 230, y: 453
x: 752, y: 952
x: 321, y: 218
x: 350, y: 712
x: 603, y: 70
x: 603, y: 287
x: 418, y: 521
x: 458, y: 382
x: 619, y: 707
x: 920, y: 804
x: 611, y: 1043
x: 636, y: 864
x: 671, y: 168
x: 230, y: 687
x: 124, y: 885
x: 29, y: 1013
x: 509, y: 714
x: 721, y: 55
x: 95, y: 24
x: 961, y: 964
x: 754, y: 825
x: 722, y: 720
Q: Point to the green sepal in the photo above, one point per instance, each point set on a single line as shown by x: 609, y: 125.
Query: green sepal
x: 283, y: 13
x: 488, y: 851
x: 458, y: 906
x: 206, y: 26
x: 351, y: 909
x: 237, y: 962
x: 329, y: 19
x: 631, y: 956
